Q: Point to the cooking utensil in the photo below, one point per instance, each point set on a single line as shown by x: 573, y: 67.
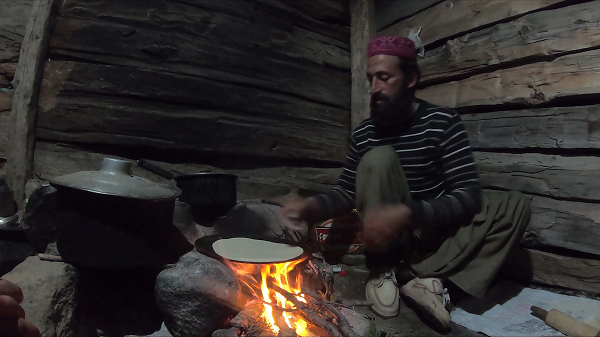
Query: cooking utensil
x: 205, y: 245
x: 211, y: 195
x: 7, y: 202
x: 565, y: 323
x: 114, y: 197
x: 10, y: 223
x: 115, y: 179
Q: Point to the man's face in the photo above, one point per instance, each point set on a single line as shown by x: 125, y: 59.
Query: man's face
x: 390, y: 98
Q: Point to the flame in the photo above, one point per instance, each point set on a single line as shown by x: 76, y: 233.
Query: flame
x: 277, y: 274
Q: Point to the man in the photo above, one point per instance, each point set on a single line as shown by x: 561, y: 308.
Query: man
x: 411, y: 176
x: 12, y: 316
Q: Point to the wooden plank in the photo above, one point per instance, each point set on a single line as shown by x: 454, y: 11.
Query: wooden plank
x: 92, y: 103
x: 564, y: 224
x: 362, y: 30
x: 150, y: 48
x: 555, y: 270
x: 574, y: 127
x: 24, y: 106
x: 454, y: 17
x: 391, y: 11
x: 215, y: 26
x: 552, y: 32
x: 330, y: 17
x: 532, y: 84
x: 545, y: 175
x: 262, y: 182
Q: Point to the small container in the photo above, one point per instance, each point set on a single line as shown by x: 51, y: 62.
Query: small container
x: 7, y: 200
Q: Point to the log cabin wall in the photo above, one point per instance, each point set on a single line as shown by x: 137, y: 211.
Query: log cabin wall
x: 264, y: 83
x: 525, y: 76
x: 13, y: 18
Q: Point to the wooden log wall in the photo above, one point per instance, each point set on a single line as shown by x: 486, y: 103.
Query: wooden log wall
x: 13, y: 18
x: 266, y: 80
x: 525, y: 75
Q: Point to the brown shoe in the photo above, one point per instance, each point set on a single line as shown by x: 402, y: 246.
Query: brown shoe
x: 428, y: 298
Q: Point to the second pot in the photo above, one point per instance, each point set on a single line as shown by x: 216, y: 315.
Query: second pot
x: 211, y: 195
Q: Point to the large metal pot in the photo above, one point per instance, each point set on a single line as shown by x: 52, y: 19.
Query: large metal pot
x: 211, y: 195
x: 104, y: 213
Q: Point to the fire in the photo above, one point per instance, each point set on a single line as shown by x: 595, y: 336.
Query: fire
x: 279, y: 275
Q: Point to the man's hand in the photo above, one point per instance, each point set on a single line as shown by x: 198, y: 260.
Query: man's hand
x: 294, y: 214
x: 382, y: 225
x: 12, y: 316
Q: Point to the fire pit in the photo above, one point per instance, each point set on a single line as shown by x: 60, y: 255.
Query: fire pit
x: 278, y: 304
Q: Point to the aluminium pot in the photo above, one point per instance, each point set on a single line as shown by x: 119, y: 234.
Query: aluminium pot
x: 103, y: 214
x: 211, y: 195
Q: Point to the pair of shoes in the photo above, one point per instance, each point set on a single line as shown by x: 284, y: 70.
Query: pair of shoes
x: 428, y: 298
x: 382, y: 291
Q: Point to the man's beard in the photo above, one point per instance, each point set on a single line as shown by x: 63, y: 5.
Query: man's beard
x: 392, y: 113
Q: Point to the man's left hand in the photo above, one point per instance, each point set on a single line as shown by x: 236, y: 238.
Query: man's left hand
x: 382, y: 225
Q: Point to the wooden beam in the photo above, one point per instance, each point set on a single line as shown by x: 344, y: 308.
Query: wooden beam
x: 564, y: 224
x: 575, y: 127
x: 25, y: 98
x: 362, y: 29
x: 388, y: 12
x: 544, y: 33
x: 546, y: 175
x: 146, y: 45
x: 253, y: 34
x: 454, y: 17
x: 556, y: 270
x: 532, y: 84
x: 92, y: 103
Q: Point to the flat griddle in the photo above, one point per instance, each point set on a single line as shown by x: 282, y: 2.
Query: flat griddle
x: 204, y: 245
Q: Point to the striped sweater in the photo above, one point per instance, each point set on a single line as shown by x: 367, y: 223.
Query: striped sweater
x: 437, y: 160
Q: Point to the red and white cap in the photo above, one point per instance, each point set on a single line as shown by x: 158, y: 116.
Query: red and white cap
x: 392, y: 45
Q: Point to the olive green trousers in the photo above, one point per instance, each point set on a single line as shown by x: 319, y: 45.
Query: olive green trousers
x: 470, y: 256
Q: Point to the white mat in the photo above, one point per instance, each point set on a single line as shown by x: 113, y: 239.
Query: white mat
x: 506, y: 311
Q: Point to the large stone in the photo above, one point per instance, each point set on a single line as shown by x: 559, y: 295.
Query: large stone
x: 197, y: 296
x: 183, y: 220
x: 119, y: 302
x: 49, y: 289
x: 251, y: 218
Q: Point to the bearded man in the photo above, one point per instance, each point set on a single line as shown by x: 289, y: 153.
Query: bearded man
x: 410, y: 174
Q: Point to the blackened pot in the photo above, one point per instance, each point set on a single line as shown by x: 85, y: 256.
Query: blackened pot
x: 110, y: 218
x: 211, y: 195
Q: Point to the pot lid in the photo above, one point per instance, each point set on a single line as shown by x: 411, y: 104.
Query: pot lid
x: 115, y: 178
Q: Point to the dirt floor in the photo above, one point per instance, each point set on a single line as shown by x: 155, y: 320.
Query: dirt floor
x: 352, y: 287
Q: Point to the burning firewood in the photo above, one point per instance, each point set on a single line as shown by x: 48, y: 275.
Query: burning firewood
x: 280, y: 305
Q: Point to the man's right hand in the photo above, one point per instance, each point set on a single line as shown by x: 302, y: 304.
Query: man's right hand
x: 295, y: 214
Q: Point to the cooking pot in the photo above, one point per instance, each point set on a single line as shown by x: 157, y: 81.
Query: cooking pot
x: 211, y: 195
x: 117, y: 208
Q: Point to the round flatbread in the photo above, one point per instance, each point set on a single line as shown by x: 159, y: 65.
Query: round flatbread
x: 255, y: 251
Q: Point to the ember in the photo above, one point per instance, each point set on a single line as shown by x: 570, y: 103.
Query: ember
x: 276, y: 308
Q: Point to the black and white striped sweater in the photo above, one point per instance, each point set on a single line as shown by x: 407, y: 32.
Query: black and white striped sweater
x: 437, y: 159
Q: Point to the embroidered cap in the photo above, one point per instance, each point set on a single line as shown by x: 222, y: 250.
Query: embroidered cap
x: 392, y: 45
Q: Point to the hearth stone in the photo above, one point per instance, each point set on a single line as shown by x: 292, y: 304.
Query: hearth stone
x: 251, y: 218
x: 183, y: 220
x: 49, y: 290
x: 197, y: 296
x: 39, y: 218
x: 231, y: 332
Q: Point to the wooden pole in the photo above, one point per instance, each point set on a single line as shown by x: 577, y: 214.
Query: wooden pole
x: 362, y: 29
x: 25, y: 98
